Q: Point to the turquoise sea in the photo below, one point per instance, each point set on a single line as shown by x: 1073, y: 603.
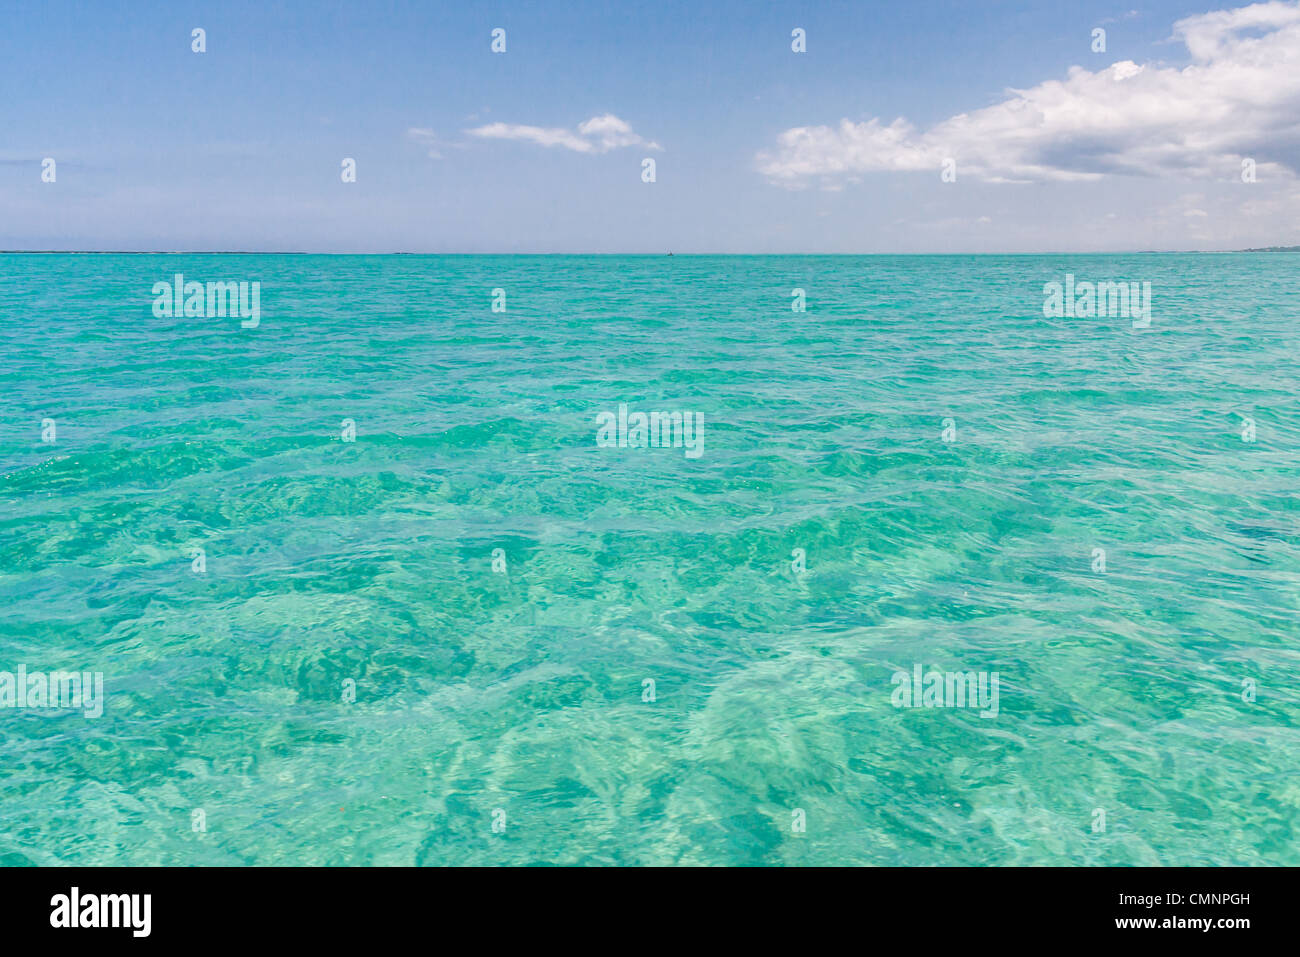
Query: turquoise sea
x: 501, y: 716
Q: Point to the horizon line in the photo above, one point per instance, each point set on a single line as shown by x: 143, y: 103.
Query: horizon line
x: 302, y: 252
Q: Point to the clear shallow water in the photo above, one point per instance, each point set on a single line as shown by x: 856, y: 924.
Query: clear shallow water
x: 522, y: 691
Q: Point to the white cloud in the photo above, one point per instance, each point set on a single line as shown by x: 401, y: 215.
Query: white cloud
x: 1238, y: 98
x: 600, y: 134
x: 427, y: 139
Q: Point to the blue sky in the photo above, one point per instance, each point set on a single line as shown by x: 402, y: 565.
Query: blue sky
x: 757, y: 148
